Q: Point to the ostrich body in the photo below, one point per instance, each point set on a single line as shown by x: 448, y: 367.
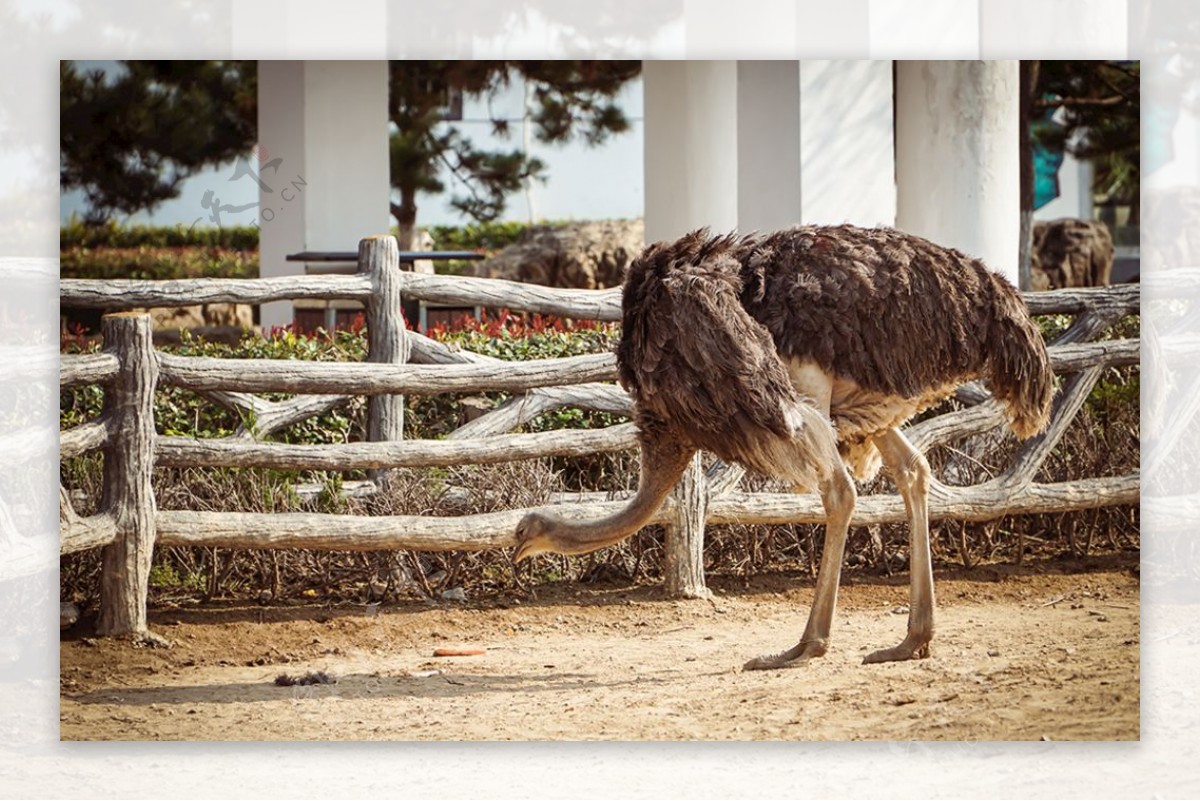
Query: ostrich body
x: 800, y: 354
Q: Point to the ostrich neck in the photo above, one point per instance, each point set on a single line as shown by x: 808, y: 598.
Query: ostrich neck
x: 662, y: 463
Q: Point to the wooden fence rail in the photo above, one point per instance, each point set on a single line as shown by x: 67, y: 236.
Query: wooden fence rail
x: 90, y: 368
x: 184, y: 452
x: 129, y: 524
x: 127, y: 294
x: 284, y: 375
x: 495, y: 529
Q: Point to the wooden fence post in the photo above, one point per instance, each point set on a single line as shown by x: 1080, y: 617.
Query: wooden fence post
x: 127, y: 494
x: 685, y: 535
x: 387, y: 343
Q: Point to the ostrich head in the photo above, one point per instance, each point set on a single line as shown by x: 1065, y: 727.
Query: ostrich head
x: 536, y: 534
x: 545, y: 532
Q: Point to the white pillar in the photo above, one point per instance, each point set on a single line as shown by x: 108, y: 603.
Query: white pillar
x: 815, y: 143
x: 280, y: 135
x: 847, y: 154
x: 327, y: 123
x: 811, y: 142
x: 957, y: 157
x: 768, y: 145
x: 691, y: 159
x: 691, y: 168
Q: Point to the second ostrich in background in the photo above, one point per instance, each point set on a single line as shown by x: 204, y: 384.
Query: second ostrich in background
x: 800, y: 354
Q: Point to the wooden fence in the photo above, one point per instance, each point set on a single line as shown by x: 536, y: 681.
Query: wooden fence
x: 402, y: 362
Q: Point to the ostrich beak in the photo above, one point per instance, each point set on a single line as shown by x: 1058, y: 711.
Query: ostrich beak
x: 523, y: 552
x: 527, y: 548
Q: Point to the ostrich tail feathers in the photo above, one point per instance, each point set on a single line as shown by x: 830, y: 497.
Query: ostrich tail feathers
x: 1020, y: 374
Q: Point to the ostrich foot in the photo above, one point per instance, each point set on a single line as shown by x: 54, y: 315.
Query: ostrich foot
x: 802, y: 652
x: 909, y: 649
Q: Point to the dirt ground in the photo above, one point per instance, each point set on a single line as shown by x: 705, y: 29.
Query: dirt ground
x: 1047, y: 651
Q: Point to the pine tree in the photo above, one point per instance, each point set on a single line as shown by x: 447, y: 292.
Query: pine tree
x: 569, y: 98
x: 130, y: 138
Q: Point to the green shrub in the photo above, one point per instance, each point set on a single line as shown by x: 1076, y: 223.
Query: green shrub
x: 479, y: 236
x: 515, y: 338
x: 525, y: 338
x: 157, y: 263
x: 148, y: 252
x: 1119, y: 389
x: 75, y: 234
x: 1053, y: 325
x: 112, y: 250
x: 166, y: 576
x: 1115, y: 394
x: 179, y: 412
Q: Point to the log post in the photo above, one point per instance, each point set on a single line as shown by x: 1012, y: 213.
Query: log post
x: 685, y: 535
x: 379, y: 257
x: 127, y: 494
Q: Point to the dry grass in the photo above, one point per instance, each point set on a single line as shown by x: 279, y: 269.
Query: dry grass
x: 1103, y: 440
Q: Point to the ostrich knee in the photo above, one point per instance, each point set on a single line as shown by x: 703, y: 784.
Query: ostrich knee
x: 912, y: 475
x: 839, y: 496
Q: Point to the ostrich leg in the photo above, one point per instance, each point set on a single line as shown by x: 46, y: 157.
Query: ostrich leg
x: 838, y: 496
x: 911, y: 473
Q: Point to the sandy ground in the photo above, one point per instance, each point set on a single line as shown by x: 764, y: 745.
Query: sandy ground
x: 1049, y: 651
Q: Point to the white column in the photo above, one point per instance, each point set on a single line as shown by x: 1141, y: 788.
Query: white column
x: 691, y: 164
x: 327, y: 122
x: 280, y: 135
x: 957, y: 159
x: 815, y: 143
x: 847, y: 154
x: 346, y: 153
x: 691, y: 147
x: 768, y: 145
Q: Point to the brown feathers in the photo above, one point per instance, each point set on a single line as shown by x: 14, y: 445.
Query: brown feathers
x: 708, y: 322
x: 893, y: 312
x: 692, y: 357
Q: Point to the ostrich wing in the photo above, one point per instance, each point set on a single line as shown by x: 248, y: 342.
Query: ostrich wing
x: 698, y: 363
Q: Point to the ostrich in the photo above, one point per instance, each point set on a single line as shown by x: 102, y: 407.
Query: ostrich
x: 799, y: 354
